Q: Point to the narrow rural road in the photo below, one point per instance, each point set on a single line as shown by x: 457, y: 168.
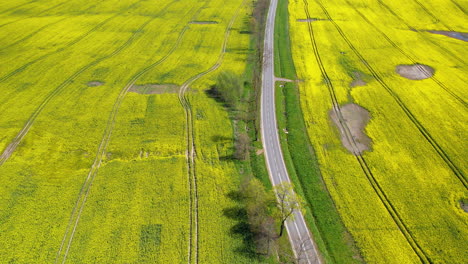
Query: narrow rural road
x: 304, y: 248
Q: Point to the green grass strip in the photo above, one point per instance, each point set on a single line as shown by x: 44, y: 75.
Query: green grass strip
x: 335, y: 243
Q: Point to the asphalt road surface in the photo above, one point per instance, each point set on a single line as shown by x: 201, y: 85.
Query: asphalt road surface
x: 304, y: 248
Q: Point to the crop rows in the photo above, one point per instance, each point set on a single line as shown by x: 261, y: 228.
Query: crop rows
x: 392, y: 169
x: 130, y: 201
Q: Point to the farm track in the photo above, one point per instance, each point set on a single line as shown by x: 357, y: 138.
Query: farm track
x: 18, y: 6
x: 436, y: 19
x: 445, y: 51
x: 193, y: 248
x: 37, y: 15
x: 458, y: 6
x: 32, y: 34
x: 83, y: 194
x: 361, y: 160
x: 413, y: 60
x: 442, y: 154
x: 19, y: 137
x: 22, y: 68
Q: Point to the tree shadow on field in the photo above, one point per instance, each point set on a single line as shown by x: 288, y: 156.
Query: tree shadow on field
x: 221, y: 139
x: 241, y: 229
x: 214, y: 93
x: 217, y: 139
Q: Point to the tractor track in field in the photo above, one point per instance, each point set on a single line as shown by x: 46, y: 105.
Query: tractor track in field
x: 413, y: 60
x: 193, y: 247
x: 73, y: 42
x: 18, y: 6
x: 359, y: 157
x: 458, y: 6
x: 37, y: 15
x: 427, y: 136
x: 436, y: 19
x: 32, y: 33
x: 75, y: 217
x: 399, y: 18
x: 6, y: 154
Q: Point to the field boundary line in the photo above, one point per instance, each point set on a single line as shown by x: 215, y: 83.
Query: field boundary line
x: 82, y: 196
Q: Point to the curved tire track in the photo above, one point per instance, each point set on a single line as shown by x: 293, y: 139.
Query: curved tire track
x: 75, y: 217
x: 193, y: 248
x: 37, y: 15
x: 427, y: 136
x: 73, y: 42
x: 32, y: 33
x: 20, y: 136
x: 18, y: 6
x: 399, y: 18
x: 360, y: 159
x: 436, y: 19
x: 413, y: 60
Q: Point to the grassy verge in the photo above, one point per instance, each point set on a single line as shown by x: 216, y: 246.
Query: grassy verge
x: 332, y: 238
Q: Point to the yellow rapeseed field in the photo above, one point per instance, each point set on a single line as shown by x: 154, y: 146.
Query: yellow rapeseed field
x: 97, y: 171
x: 400, y: 200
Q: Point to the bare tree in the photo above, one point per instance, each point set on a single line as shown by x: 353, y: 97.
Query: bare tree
x: 288, y: 203
x: 242, y: 146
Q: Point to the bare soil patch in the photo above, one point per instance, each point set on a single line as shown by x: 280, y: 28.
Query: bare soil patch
x: 155, y: 88
x: 415, y: 71
x: 451, y: 34
x: 95, y: 83
x: 464, y: 205
x: 351, y: 124
x: 357, y: 80
x: 203, y: 22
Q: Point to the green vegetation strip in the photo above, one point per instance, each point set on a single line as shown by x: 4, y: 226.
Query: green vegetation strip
x: 335, y: 243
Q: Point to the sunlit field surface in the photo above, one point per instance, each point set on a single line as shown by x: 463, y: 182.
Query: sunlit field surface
x: 402, y: 199
x: 93, y: 132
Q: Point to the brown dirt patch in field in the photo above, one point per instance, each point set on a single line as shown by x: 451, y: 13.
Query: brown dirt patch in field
x: 464, y: 205
x: 95, y: 83
x: 357, y: 80
x: 451, y: 34
x: 155, y: 88
x: 351, y: 124
x: 415, y: 71
x: 203, y: 22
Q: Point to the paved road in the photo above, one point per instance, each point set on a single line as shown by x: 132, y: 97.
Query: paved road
x: 299, y: 235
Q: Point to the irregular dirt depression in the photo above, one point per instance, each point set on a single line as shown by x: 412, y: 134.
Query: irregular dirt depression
x: 95, y: 83
x: 464, y: 205
x: 415, y: 71
x: 155, y: 88
x: 351, y: 124
x: 358, y: 80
